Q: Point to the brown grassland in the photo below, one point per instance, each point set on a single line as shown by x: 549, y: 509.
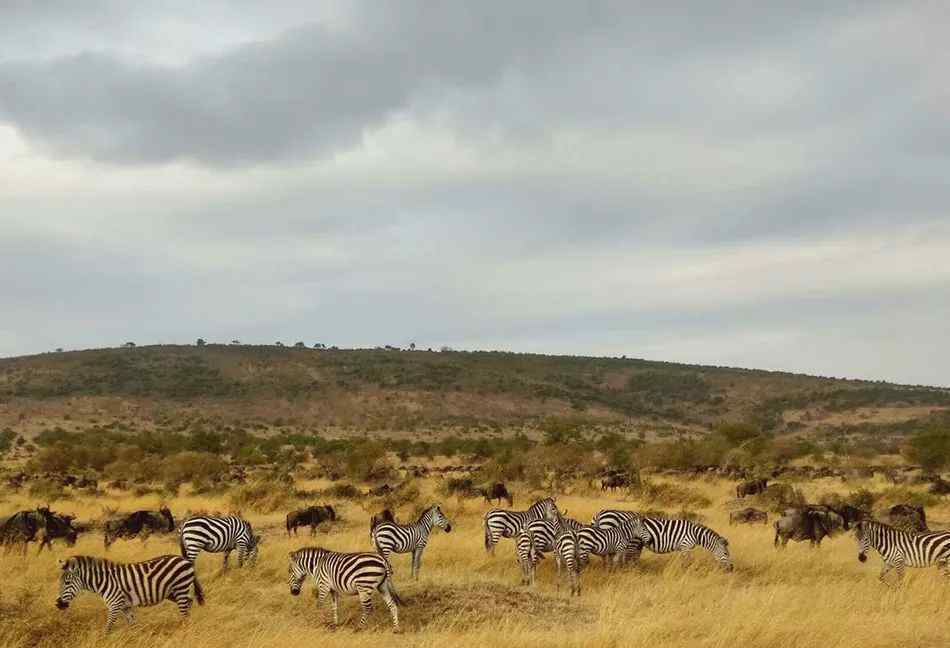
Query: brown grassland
x: 794, y: 598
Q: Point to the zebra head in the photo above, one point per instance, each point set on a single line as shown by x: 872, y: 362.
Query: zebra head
x: 252, y: 547
x: 297, y: 572
x: 437, y: 518
x: 546, y: 509
x: 721, y: 552
x: 864, y: 543
x: 70, y: 582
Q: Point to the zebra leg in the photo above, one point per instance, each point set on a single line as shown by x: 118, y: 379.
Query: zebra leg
x: 111, y: 613
x: 129, y: 614
x: 387, y: 597
x: 366, y: 604
x: 183, y: 601
x: 227, y: 555
x: 416, y: 563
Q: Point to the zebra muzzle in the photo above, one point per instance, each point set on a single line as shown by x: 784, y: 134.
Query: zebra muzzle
x: 295, y: 591
x: 862, y: 557
x: 61, y: 604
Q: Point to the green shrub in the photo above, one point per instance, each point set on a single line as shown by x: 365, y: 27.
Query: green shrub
x: 263, y: 497
x: 668, y: 495
x: 343, y: 490
x: 778, y: 497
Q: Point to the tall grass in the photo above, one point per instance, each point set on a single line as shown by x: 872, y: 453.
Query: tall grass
x: 795, y: 598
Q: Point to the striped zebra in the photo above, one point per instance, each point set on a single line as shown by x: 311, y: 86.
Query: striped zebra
x: 544, y: 533
x: 615, y: 545
x: 125, y: 586
x: 566, y: 550
x: 390, y: 537
x: 528, y: 555
x: 219, y: 534
x: 611, y: 518
x: 345, y: 573
x: 900, y: 549
x: 663, y: 535
x: 502, y: 523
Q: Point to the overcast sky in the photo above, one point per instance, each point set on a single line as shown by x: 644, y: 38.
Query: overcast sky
x: 717, y: 183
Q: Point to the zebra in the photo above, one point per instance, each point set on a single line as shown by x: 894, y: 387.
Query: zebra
x: 390, y: 537
x: 610, y: 518
x: 615, y: 545
x: 567, y: 554
x: 663, y: 535
x: 125, y: 586
x: 219, y: 534
x: 346, y: 573
x: 900, y: 549
x: 528, y: 554
x: 501, y: 523
x: 544, y: 533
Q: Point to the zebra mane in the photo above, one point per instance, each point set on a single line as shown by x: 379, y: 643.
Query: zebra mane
x: 427, y: 512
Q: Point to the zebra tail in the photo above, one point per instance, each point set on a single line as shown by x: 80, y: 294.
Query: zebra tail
x: 199, y: 593
x: 387, y: 585
x: 487, y: 537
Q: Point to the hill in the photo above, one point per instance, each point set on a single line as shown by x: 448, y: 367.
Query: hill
x: 422, y: 393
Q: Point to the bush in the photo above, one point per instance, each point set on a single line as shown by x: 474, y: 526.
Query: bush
x: 904, y: 495
x: 47, y: 490
x: 778, y: 497
x: 668, y: 495
x: 343, y: 490
x: 931, y: 449
x: 263, y: 497
x: 192, y: 466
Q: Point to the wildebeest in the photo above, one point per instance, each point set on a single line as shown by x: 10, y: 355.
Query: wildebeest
x: 41, y: 525
x: 139, y: 522
x: 613, y: 482
x: 748, y: 516
x: 379, y: 491
x: 498, y: 491
x: 312, y: 516
x: 812, y: 523
x: 751, y: 487
x: 905, y: 517
x: 383, y: 516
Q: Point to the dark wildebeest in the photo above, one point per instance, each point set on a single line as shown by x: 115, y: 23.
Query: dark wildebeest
x: 498, y: 491
x: 383, y: 516
x: 139, y: 522
x: 751, y: 487
x: 812, y: 523
x: 748, y: 516
x: 42, y: 525
x: 905, y: 517
x: 613, y: 482
x: 312, y: 516
x: 463, y: 485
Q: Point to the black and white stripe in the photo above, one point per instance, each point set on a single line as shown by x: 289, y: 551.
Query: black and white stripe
x: 126, y: 586
x: 615, y: 545
x: 502, y: 523
x: 566, y: 547
x: 345, y: 573
x: 663, y: 535
x: 528, y: 555
x: 900, y: 549
x: 612, y: 518
x: 217, y: 535
x: 390, y: 537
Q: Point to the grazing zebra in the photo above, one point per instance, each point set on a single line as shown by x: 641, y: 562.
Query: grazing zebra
x: 528, y: 555
x: 347, y: 573
x: 390, y: 537
x: 125, y: 586
x: 219, y: 534
x: 663, y: 535
x: 615, y: 544
x: 900, y: 549
x: 611, y: 518
x: 501, y: 523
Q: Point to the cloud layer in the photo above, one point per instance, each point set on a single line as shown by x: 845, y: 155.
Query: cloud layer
x: 755, y: 187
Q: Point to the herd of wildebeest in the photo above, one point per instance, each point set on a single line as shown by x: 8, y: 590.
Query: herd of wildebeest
x: 614, y: 534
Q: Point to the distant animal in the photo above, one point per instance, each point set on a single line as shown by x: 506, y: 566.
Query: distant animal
x: 502, y: 523
x: 41, y: 525
x: 900, y: 549
x: 346, y: 573
x: 812, y: 523
x: 133, y: 524
x: 751, y: 487
x: 906, y: 517
x: 126, y: 586
x: 390, y: 537
x: 748, y: 515
x: 528, y: 555
x: 613, y: 482
x: 380, y: 491
x: 663, y: 535
x: 498, y: 491
x: 312, y: 516
x: 219, y: 535
x: 383, y: 516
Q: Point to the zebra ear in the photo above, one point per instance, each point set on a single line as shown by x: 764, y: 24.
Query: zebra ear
x: 62, y: 564
x: 290, y: 554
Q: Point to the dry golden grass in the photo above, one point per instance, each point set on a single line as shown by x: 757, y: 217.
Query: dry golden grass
x: 796, y: 598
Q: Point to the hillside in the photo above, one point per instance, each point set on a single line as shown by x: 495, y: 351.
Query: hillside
x: 420, y: 392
